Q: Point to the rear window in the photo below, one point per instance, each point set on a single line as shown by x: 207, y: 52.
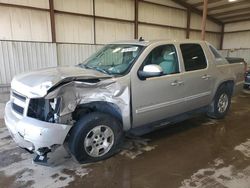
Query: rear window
x: 193, y: 57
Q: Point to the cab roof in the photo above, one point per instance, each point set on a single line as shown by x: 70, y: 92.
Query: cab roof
x: 149, y: 42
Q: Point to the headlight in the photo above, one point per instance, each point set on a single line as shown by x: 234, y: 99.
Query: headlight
x: 45, y: 109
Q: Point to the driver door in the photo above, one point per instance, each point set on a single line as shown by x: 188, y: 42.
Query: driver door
x: 161, y: 97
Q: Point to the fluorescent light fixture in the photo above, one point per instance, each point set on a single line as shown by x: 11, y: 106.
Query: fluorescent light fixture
x: 232, y: 0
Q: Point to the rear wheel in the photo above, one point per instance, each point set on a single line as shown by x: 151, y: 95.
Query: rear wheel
x: 96, y: 136
x: 221, y: 103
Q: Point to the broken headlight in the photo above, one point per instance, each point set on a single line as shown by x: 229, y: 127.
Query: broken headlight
x: 45, y: 109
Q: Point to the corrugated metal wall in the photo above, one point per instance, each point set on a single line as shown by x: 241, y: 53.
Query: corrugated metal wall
x: 242, y: 53
x: 72, y: 54
x: 75, y: 35
x: 213, y: 38
x: 18, y: 57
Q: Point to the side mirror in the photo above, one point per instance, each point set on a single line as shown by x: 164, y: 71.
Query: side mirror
x: 150, y: 71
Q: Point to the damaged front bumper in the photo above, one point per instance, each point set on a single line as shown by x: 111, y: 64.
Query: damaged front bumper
x: 34, y: 135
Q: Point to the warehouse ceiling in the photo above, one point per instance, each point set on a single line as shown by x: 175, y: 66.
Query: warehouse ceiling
x: 224, y: 11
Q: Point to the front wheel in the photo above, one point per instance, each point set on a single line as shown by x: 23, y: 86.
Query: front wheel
x: 221, y: 103
x: 96, y: 136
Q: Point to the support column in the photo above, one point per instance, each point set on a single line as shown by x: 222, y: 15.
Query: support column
x: 204, y: 20
x: 136, y: 19
x: 188, y: 23
x: 52, y: 20
x: 94, y: 22
x: 222, y: 35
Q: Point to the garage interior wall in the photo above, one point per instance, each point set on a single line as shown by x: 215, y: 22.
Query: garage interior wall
x: 82, y: 27
x: 237, y: 40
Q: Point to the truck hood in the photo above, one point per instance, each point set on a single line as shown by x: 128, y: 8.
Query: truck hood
x: 37, y: 83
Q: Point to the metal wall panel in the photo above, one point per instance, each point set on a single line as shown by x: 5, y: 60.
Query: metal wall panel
x: 32, y: 3
x: 109, y: 31
x: 123, y: 9
x: 74, y: 29
x: 77, y: 6
x: 167, y: 2
x: 72, y: 54
x: 24, y: 24
x: 162, y: 15
x: 236, y: 40
x: 241, y: 53
x: 154, y: 32
x: 18, y: 57
x: 196, y: 23
x: 212, y: 38
x: 237, y: 26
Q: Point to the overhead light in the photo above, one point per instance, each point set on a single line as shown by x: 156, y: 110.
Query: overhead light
x: 232, y: 0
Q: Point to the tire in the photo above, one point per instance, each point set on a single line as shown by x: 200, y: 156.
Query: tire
x: 87, y: 139
x: 221, y: 103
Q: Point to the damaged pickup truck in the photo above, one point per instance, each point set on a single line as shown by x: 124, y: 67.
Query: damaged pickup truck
x: 126, y: 86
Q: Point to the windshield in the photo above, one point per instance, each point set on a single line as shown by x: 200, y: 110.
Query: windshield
x: 113, y: 59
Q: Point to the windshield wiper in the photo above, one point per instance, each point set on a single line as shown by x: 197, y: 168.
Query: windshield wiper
x: 100, y: 70
x: 96, y: 68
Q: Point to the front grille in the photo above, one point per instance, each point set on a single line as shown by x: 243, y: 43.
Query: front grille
x: 17, y: 108
x: 18, y: 102
x: 16, y: 95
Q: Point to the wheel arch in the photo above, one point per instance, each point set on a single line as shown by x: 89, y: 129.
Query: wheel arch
x: 98, y: 106
x: 227, y: 83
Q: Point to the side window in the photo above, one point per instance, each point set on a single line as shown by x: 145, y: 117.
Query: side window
x: 166, y: 57
x: 215, y: 52
x: 193, y: 57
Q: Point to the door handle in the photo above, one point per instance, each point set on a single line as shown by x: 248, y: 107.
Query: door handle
x: 177, y: 82
x: 206, y: 77
x: 181, y: 82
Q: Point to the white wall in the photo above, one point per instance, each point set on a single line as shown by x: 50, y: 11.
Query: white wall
x: 76, y: 6
x: 213, y: 38
x: 109, y: 31
x: 24, y: 24
x: 123, y: 9
x: 241, y: 53
x: 162, y: 15
x: 74, y: 29
x: 34, y: 25
x: 154, y: 32
x: 75, y: 33
x: 237, y: 40
x: 32, y: 3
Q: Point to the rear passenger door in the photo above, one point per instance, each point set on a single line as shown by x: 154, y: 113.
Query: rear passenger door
x: 197, y: 76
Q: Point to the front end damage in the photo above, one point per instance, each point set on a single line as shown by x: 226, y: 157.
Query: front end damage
x: 44, y: 123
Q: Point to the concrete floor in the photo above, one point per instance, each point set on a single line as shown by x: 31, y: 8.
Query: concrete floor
x: 195, y: 153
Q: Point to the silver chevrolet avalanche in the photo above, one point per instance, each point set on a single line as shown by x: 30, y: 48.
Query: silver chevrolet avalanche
x: 130, y: 86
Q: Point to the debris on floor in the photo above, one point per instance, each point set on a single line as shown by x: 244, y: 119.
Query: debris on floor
x: 221, y: 176
x: 17, y: 164
x: 210, y: 122
x: 135, y: 146
x: 244, y: 148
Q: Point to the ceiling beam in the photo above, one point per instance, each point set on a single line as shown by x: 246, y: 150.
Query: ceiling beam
x: 237, y: 16
x: 231, y: 12
x: 195, y: 10
x: 229, y: 5
x: 209, y: 2
x: 239, y: 20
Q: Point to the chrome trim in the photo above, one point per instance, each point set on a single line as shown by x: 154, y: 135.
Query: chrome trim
x: 165, y: 104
